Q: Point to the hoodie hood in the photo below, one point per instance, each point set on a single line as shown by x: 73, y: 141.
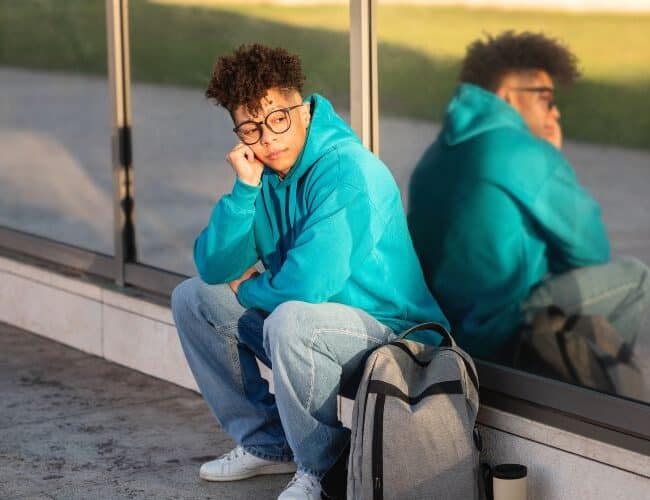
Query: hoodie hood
x: 473, y: 111
x: 326, y: 131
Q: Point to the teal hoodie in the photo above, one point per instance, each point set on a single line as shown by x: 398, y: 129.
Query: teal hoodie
x: 492, y: 210
x: 333, y: 230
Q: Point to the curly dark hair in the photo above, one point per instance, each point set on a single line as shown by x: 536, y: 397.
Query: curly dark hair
x: 244, y: 77
x: 488, y: 61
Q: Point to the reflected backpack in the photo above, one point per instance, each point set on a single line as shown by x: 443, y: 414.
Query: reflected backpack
x: 580, y: 349
x: 413, y: 423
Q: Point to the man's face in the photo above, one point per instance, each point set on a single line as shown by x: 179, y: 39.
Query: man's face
x: 278, y: 151
x: 532, y: 94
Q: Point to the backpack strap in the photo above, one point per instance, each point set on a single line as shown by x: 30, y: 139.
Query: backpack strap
x: 436, y: 327
x: 469, y: 365
x: 449, y: 343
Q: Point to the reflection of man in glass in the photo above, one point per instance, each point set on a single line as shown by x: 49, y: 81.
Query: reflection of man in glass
x: 324, y: 216
x: 498, y: 218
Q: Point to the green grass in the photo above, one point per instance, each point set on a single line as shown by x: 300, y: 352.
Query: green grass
x: 420, y: 48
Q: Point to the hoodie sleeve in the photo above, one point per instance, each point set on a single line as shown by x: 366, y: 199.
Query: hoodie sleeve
x: 571, y: 221
x: 335, y: 239
x: 226, y: 247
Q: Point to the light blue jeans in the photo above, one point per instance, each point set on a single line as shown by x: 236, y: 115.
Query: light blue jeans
x: 314, y: 350
x: 618, y: 290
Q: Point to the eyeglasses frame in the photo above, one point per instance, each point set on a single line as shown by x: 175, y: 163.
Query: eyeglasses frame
x: 258, y: 124
x: 551, y: 103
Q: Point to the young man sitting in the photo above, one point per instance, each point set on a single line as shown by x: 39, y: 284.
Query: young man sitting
x: 341, y: 277
x: 500, y: 222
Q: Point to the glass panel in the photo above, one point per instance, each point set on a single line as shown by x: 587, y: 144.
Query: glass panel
x: 606, y: 130
x: 180, y: 138
x: 55, y: 166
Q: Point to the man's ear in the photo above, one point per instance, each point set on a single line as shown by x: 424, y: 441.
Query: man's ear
x: 306, y: 113
x: 502, y: 90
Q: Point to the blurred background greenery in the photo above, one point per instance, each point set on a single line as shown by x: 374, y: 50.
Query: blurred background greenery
x: 176, y: 42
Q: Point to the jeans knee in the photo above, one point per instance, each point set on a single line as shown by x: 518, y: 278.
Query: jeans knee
x: 182, y: 297
x: 285, y: 326
x: 637, y: 271
x: 643, y: 273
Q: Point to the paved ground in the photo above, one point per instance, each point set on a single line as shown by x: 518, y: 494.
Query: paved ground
x: 74, y: 426
x: 55, y: 172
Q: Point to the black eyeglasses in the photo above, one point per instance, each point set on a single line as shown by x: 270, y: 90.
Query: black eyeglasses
x: 277, y: 121
x: 540, y: 90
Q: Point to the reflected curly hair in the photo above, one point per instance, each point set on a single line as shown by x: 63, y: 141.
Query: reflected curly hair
x: 244, y: 77
x: 488, y: 61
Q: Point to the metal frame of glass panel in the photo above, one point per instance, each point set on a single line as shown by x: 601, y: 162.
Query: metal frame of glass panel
x: 119, y: 80
x: 364, y: 86
x: 604, y: 417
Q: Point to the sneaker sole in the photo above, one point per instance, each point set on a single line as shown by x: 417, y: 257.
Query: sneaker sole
x: 279, y: 468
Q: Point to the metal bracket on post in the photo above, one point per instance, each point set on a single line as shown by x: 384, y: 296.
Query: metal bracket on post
x: 119, y: 80
x: 364, y: 102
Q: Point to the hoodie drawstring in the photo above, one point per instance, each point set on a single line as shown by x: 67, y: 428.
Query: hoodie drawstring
x: 273, y: 223
x: 293, y: 201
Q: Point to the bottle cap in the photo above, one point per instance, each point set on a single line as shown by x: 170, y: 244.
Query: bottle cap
x: 509, y: 471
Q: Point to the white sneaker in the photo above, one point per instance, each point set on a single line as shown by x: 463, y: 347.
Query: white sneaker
x: 239, y: 464
x: 303, y: 486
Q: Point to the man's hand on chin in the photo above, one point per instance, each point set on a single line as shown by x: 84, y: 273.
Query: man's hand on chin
x: 249, y: 273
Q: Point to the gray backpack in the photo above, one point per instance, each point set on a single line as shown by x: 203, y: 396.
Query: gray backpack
x: 413, y: 423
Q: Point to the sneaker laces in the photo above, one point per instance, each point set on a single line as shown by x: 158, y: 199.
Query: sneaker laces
x: 233, y: 454
x: 304, y: 480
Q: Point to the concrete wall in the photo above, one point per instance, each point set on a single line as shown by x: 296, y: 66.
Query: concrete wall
x: 141, y: 335
x: 93, y: 319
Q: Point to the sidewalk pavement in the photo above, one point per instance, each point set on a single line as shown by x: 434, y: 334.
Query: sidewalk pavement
x: 74, y: 426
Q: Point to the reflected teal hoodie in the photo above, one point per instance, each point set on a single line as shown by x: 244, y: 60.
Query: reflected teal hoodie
x: 493, y: 210
x: 333, y: 230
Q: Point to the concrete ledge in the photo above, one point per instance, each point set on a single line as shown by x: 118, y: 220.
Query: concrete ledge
x: 135, y: 305
x: 530, y: 430
x: 51, y: 306
x: 141, y: 335
x: 121, y: 328
x: 144, y: 344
